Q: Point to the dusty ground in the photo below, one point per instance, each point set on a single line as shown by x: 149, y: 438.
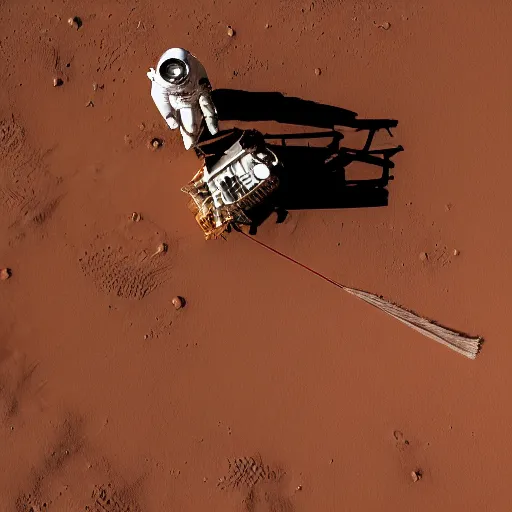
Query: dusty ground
x: 111, y: 400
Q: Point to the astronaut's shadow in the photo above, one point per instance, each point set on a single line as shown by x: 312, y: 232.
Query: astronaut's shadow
x: 315, y: 177
x: 238, y: 105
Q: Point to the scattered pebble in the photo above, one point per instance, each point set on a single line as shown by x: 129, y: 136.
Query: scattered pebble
x: 5, y: 273
x: 318, y: 71
x: 230, y: 31
x: 89, y: 104
x: 423, y: 256
x: 399, y: 436
x: 416, y: 475
x: 456, y: 252
x: 161, y: 249
x: 75, y: 22
x: 57, y: 82
x: 385, y: 26
x: 155, y: 143
x: 136, y: 217
x: 178, y: 302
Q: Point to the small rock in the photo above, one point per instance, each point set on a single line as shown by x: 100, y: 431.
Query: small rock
x: 416, y: 475
x: 146, y: 336
x: 298, y: 488
x: 94, y: 86
x: 456, y: 252
x: 400, y: 438
x: 5, y: 273
x: 127, y: 139
x: 178, y: 302
x: 447, y: 207
x: 57, y: 82
x: 423, y: 256
x: 318, y: 71
x: 385, y: 26
x: 142, y: 127
x: 267, y: 25
x: 161, y: 249
x: 75, y: 22
x: 89, y: 104
x: 230, y: 31
x: 155, y: 144
x: 205, y: 479
x: 136, y: 217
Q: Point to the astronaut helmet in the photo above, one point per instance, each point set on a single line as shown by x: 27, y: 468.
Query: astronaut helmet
x: 174, y: 71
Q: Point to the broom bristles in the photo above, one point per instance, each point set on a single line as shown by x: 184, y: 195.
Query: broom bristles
x: 466, y: 345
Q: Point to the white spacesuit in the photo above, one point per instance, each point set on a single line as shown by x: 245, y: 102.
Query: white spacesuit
x: 181, y: 91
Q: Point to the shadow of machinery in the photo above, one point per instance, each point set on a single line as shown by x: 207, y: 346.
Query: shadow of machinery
x: 311, y: 176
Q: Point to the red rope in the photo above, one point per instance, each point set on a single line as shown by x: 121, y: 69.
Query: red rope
x: 305, y: 267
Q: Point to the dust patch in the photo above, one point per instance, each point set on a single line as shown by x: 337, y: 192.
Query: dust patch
x: 260, y: 485
x: 125, y: 262
x: 69, y: 477
x: 44, y: 55
x: 69, y: 443
x: 28, y: 195
x: 15, y: 383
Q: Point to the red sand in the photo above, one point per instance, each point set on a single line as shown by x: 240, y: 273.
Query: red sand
x: 121, y: 403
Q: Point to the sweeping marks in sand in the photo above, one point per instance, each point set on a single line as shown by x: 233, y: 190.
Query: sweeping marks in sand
x: 96, y: 486
x: 106, y: 499
x: 127, y: 262
x: 260, y: 485
x: 27, y: 190
x: 15, y: 384
x: 48, y: 469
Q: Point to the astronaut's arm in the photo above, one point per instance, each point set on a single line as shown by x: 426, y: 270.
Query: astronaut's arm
x: 209, y: 112
x: 161, y: 98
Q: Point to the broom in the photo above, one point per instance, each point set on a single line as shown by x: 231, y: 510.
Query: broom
x: 466, y: 345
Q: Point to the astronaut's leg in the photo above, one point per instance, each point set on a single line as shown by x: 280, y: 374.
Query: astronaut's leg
x: 190, y: 124
x: 209, y: 112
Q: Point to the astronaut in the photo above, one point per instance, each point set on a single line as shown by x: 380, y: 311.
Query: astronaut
x: 181, y: 91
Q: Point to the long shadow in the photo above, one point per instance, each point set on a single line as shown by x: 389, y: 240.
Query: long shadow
x: 237, y: 105
x: 312, y: 177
